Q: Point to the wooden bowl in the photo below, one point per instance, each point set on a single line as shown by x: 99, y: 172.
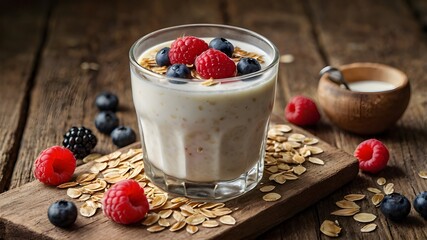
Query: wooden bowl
x: 365, y: 112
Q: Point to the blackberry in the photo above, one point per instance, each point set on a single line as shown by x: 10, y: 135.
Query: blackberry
x: 80, y: 141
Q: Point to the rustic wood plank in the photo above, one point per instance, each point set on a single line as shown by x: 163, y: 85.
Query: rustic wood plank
x: 384, y: 32
x: 286, y: 24
x: 419, y: 8
x: 22, y: 28
x: 253, y: 214
x: 99, y: 32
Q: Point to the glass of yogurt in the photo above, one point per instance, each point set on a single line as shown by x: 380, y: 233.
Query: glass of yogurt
x: 204, y: 141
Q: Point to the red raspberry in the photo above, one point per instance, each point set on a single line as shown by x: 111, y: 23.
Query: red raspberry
x: 185, y: 49
x: 215, y: 64
x: 55, y: 165
x: 372, y: 155
x: 125, y: 202
x: 302, y: 111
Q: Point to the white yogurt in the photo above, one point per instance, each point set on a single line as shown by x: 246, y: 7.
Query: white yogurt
x: 371, y: 86
x: 201, y: 133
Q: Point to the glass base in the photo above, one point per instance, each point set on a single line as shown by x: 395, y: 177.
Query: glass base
x: 219, y: 191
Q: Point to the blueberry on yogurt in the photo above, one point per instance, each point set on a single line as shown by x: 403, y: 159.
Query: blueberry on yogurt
x: 178, y: 71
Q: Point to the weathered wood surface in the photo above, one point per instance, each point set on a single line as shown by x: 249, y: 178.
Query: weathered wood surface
x: 316, y: 33
x: 253, y: 214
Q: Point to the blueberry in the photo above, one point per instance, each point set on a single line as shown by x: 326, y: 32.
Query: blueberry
x: 420, y: 204
x: 222, y: 45
x: 178, y: 71
x: 247, y: 65
x: 106, y: 121
x: 62, y: 213
x: 107, y: 101
x: 395, y: 206
x: 162, y: 57
x: 123, y: 136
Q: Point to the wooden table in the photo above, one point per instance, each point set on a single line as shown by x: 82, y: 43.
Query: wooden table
x: 44, y: 89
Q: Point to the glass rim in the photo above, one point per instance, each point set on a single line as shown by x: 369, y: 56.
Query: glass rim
x: 134, y: 61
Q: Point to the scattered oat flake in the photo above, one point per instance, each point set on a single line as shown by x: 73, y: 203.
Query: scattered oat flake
x: 91, y: 157
x: 195, y: 219
x: 155, y: 228
x: 87, y: 209
x: 68, y: 185
x: 267, y: 188
x: 423, y: 174
x: 287, y: 58
x: 177, y: 226
x: 364, y: 217
x: 346, y: 212
x: 210, y: 224
x: 330, y: 228
x: 299, y: 169
x: 271, y: 197
x: 164, y: 222
x: 381, y: 181
x: 74, y: 192
x: 377, y: 199
x: 347, y: 204
x: 369, y: 228
x: 151, y: 219
x: 389, y: 188
x: 228, y: 220
x: 316, y: 160
x: 354, y: 197
x: 192, y: 229
x: 374, y: 190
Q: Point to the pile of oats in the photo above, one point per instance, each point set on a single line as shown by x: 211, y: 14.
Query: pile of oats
x: 286, y: 154
x: 165, y: 213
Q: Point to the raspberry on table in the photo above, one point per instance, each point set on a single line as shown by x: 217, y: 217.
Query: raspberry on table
x: 302, y: 111
x: 80, y: 141
x: 372, y: 154
x: 185, y: 49
x: 54, y: 166
x: 125, y: 202
x: 215, y: 64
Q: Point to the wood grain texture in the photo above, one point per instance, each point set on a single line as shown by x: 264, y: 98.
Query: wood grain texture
x: 64, y: 93
x: 23, y: 24
x: 253, y: 214
x: 376, y: 34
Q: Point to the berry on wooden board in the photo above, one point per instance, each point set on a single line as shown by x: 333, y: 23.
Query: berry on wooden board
x: 62, y: 213
x: 54, y: 166
x: 125, y: 202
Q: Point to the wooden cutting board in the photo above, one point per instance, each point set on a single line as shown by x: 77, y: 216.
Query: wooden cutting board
x: 23, y: 211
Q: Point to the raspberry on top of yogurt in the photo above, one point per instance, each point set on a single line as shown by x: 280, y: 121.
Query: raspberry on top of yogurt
x: 216, y: 60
